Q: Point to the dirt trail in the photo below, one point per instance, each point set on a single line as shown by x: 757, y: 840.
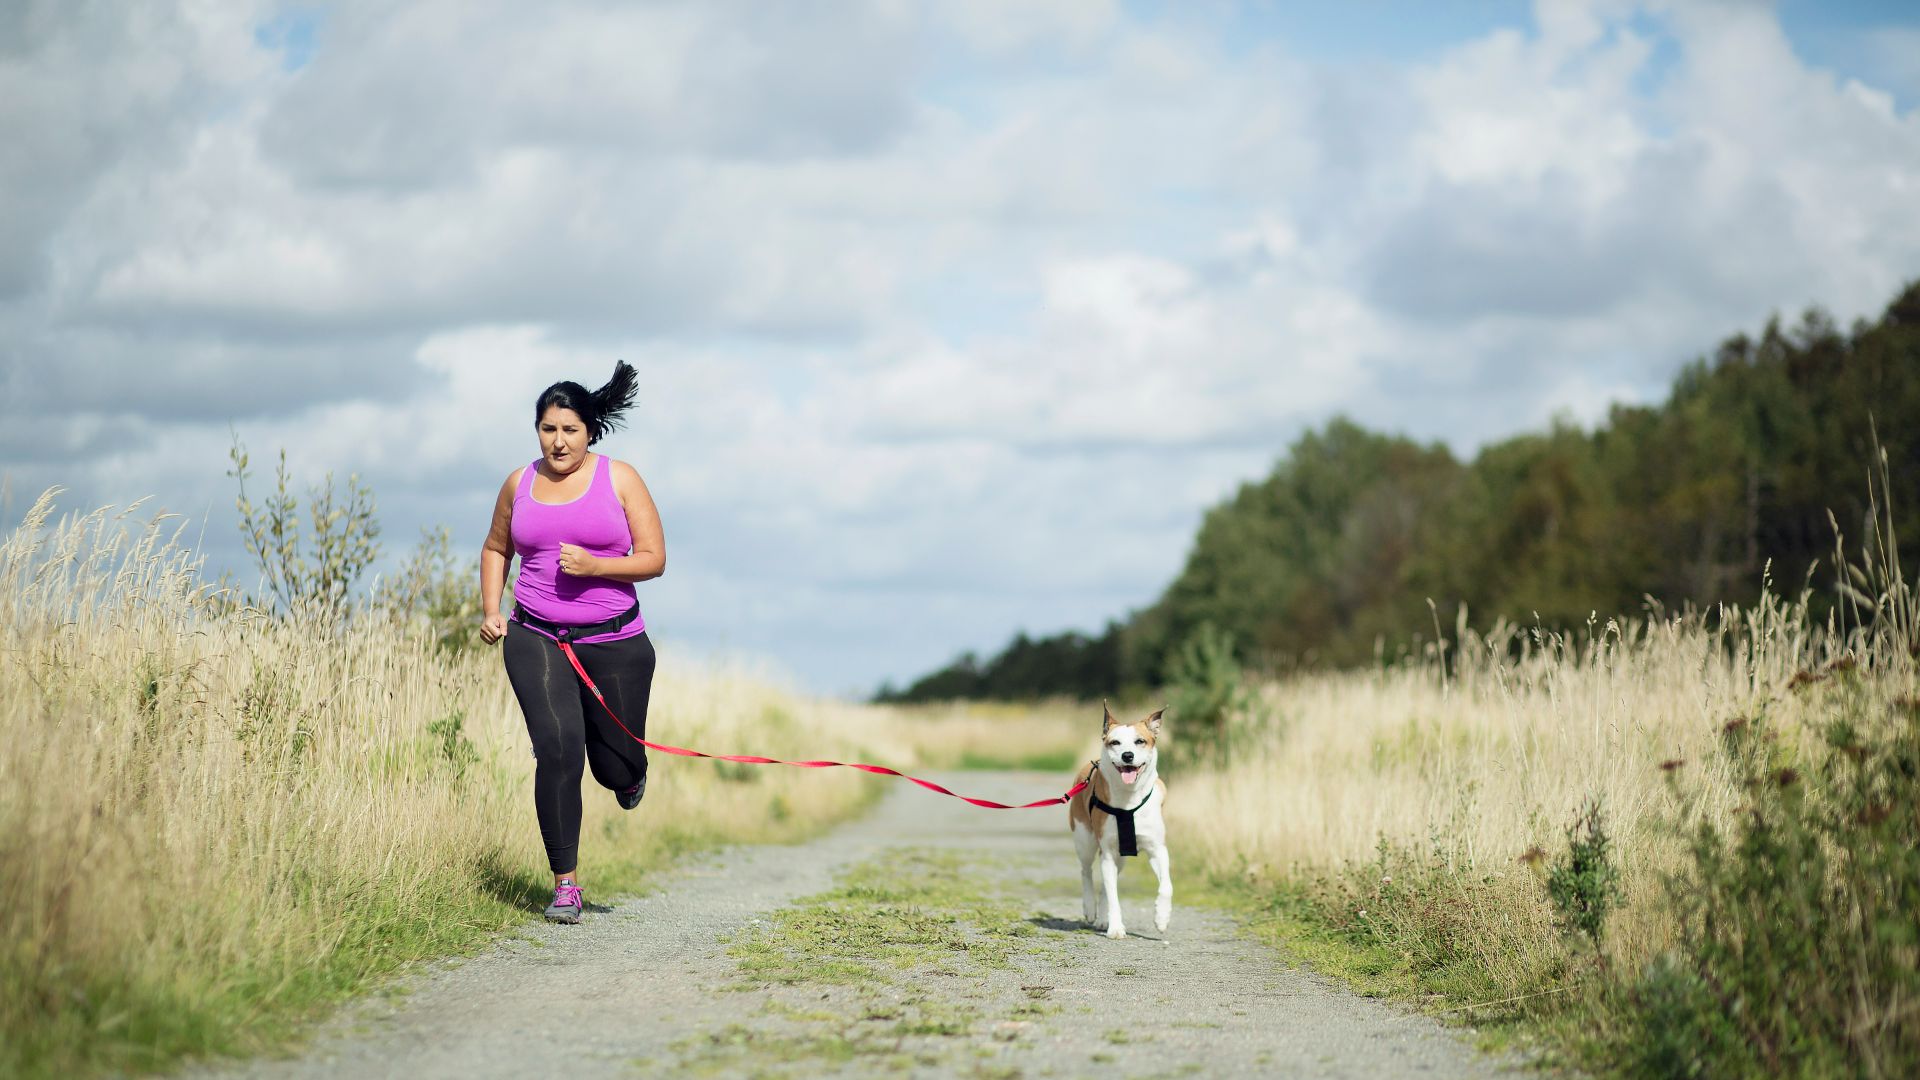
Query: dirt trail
x: 657, y: 986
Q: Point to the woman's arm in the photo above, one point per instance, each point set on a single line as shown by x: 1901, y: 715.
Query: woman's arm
x: 496, y: 554
x: 649, y: 558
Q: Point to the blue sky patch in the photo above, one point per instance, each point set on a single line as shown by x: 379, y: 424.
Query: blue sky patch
x: 292, y: 34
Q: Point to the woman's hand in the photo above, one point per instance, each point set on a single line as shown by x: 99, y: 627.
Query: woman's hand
x: 575, y: 562
x: 493, y: 628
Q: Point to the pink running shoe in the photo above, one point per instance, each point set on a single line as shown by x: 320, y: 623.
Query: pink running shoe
x: 567, y: 904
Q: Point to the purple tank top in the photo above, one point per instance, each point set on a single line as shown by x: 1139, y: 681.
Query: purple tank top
x: 595, y: 521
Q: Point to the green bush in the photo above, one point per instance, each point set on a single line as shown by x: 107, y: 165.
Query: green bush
x: 449, y: 735
x: 1680, y: 1029
x: 1800, y: 948
x: 1584, y: 883
x: 438, y: 591
x: 341, y: 540
x: 316, y: 568
x: 1208, y: 694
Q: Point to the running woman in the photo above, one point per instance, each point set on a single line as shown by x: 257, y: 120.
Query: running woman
x: 585, y: 529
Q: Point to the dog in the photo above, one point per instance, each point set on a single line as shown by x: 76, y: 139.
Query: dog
x: 1119, y: 814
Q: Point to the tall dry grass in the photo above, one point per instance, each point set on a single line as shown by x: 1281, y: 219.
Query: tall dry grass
x: 1053, y: 735
x: 214, y: 821
x: 1463, y: 768
x: 1481, y: 764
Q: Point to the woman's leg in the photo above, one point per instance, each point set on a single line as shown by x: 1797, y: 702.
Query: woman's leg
x: 549, y: 696
x: 624, y: 672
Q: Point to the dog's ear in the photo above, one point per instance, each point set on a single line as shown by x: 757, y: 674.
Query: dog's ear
x: 1153, y: 720
x: 1107, y: 721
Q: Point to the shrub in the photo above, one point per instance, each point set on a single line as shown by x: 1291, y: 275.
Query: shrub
x: 1584, y: 883
x: 316, y: 577
x: 449, y: 734
x: 1208, y: 694
x: 1801, y: 917
x: 437, y: 590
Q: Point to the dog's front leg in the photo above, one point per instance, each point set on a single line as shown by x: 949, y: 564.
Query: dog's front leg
x: 1110, y: 889
x: 1087, y: 847
x: 1089, y: 900
x: 1163, y: 873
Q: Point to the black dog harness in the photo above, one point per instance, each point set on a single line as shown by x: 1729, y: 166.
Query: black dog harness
x: 1129, y: 843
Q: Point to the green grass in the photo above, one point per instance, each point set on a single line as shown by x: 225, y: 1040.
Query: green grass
x: 903, y: 911
x: 741, y: 1050
x: 844, y: 970
x: 1290, y: 920
x: 1408, y: 949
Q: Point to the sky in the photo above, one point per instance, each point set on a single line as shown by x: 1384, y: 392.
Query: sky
x: 951, y: 318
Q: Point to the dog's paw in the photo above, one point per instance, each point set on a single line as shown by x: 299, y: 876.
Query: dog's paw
x: 1161, y: 917
x: 1116, y: 932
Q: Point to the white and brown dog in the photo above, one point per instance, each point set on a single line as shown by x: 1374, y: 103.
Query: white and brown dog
x: 1119, y: 814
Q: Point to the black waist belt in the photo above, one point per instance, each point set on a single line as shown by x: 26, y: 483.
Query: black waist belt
x: 563, y: 632
x: 1129, y: 844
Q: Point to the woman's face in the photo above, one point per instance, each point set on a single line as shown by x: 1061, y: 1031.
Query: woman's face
x: 563, y: 439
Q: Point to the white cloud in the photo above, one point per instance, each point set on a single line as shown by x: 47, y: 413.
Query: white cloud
x: 1007, y: 26
x: 950, y: 320
x: 90, y: 87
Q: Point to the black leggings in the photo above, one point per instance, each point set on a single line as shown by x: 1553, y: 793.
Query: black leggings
x: 570, y: 729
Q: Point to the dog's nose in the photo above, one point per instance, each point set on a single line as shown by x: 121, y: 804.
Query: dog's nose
x: 1127, y: 757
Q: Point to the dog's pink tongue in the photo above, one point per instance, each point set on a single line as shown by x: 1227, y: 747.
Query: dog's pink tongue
x: 1128, y: 774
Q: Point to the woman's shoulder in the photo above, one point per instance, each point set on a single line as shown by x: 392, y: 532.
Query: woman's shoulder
x: 626, y: 482
x: 620, y: 471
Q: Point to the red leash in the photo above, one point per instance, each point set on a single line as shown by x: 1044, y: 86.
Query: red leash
x: 567, y: 648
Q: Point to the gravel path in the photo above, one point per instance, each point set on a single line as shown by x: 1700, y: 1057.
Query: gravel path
x: 653, y: 987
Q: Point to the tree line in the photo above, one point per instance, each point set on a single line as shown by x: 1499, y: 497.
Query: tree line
x: 1333, y: 558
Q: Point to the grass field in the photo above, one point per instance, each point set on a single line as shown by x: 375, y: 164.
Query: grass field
x: 1751, y: 775
x: 1468, y: 772
x: 216, y: 823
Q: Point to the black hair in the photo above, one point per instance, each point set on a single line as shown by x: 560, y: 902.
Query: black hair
x: 600, y: 409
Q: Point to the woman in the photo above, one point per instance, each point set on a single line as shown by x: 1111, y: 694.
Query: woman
x: 585, y: 529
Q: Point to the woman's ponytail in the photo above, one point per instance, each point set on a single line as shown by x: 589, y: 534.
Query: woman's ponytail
x: 611, y: 401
